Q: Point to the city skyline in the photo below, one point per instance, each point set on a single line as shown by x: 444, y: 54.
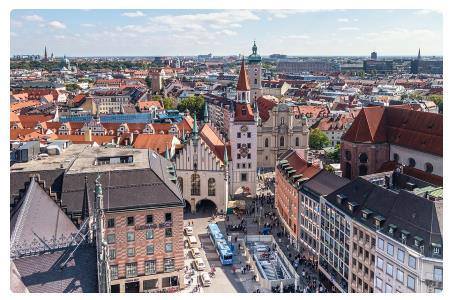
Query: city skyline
x: 226, y: 32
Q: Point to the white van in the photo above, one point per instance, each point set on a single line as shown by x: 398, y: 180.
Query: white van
x: 206, y: 280
x: 199, y: 264
x: 188, y: 230
x: 195, y: 253
x: 192, y: 241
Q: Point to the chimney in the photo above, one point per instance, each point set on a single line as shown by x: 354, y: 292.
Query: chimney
x: 88, y: 135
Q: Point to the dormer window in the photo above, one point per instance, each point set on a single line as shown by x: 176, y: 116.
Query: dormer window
x: 244, y: 112
x: 340, y: 198
x: 404, y: 236
x: 379, y: 221
x: 418, y: 241
x: 392, y: 228
x: 366, y: 213
x: 352, y: 206
x: 436, y: 248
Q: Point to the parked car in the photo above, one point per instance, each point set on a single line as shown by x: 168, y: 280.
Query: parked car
x: 195, y: 253
x: 188, y: 230
x: 199, y: 264
x: 206, y: 280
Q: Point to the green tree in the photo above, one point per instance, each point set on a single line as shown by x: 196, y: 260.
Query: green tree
x: 148, y: 81
x: 72, y: 87
x: 328, y: 168
x: 438, y: 100
x: 169, y: 103
x: 334, y: 155
x: 194, y: 104
x: 318, y: 139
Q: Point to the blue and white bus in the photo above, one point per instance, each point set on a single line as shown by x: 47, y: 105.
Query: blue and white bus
x: 221, y: 245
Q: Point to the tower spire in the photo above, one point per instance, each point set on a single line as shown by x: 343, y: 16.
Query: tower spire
x: 85, y: 207
x: 418, y: 55
x: 225, y: 155
x: 243, y: 84
x: 167, y: 153
x: 45, y: 53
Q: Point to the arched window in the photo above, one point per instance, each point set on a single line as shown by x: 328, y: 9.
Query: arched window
x: 195, y: 185
x: 411, y: 162
x: 282, y: 141
x: 348, y: 170
x: 348, y: 155
x: 282, y: 120
x: 396, y: 157
x: 363, y: 158
x: 180, y: 183
x: 266, y: 143
x: 428, y: 167
x: 211, y: 187
x: 297, y: 142
x: 362, y: 170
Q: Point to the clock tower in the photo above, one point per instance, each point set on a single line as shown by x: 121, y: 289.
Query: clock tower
x: 254, y: 73
x: 242, y: 135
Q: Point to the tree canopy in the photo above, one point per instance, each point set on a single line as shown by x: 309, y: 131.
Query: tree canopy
x: 194, y: 104
x: 318, y: 139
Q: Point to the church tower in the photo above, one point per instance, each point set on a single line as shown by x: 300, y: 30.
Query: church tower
x: 254, y: 73
x: 242, y: 135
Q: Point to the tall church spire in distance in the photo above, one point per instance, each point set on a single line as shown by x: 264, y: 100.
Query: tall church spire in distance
x: 45, y: 53
x: 418, y: 55
x: 205, y: 113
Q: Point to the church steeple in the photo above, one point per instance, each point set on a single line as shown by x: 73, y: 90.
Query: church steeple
x: 254, y: 48
x: 45, y: 53
x: 243, y: 87
x: 418, y: 55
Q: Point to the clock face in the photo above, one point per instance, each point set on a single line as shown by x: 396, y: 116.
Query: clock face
x: 243, y: 151
x: 244, y: 128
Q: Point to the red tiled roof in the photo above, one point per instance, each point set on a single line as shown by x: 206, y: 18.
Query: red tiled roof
x: 265, y: 104
x: 156, y: 142
x: 243, y: 84
x: 213, y: 141
x: 301, y: 166
x: 243, y: 112
x: 399, y: 125
x: 81, y: 139
x: 23, y: 104
x: 79, y: 98
x: 30, y: 121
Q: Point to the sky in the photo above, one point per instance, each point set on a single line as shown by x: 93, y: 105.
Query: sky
x: 226, y: 32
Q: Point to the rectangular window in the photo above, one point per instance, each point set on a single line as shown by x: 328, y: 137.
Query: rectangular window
x: 130, y: 221
x: 389, y: 269
x: 168, y: 217
x: 239, y: 145
x: 169, y: 247
x: 412, y: 262
x: 169, y: 264
x: 111, y: 223
x: 249, y: 156
x: 249, y: 146
x: 168, y: 232
x: 238, y: 135
x: 238, y: 156
x: 400, y: 275
x: 388, y: 288
x: 249, y: 134
x: 150, y: 249
x: 380, y: 263
x: 243, y: 176
x: 149, y: 219
x: 111, y: 238
x: 400, y: 255
x: 114, y: 270
x: 379, y: 283
x: 411, y: 282
x: 112, y: 254
x: 131, y: 252
x: 380, y: 244
x: 149, y: 234
x: 437, y: 274
x: 390, y: 249
x: 131, y: 270
x: 150, y: 267
x: 130, y: 236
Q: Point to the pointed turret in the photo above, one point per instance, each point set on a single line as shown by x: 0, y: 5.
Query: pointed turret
x: 205, y: 113
x: 195, y: 131
x: 418, y: 55
x: 243, y: 84
x: 85, y: 207
x: 45, y: 53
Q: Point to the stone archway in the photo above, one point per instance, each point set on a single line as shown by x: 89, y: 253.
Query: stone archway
x: 187, y: 207
x: 206, y: 206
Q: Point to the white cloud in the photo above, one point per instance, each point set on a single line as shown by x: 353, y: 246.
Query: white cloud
x: 87, y: 25
x: 425, y: 11
x: 227, y: 32
x: 348, y: 28
x: 297, y: 36
x: 343, y: 20
x: 57, y: 25
x: 355, y: 20
x: 33, y: 18
x: 135, y: 14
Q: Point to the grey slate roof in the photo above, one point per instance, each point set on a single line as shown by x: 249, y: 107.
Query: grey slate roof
x: 43, y: 273
x: 417, y: 215
x: 125, y: 189
x: 323, y: 183
x: 38, y: 222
